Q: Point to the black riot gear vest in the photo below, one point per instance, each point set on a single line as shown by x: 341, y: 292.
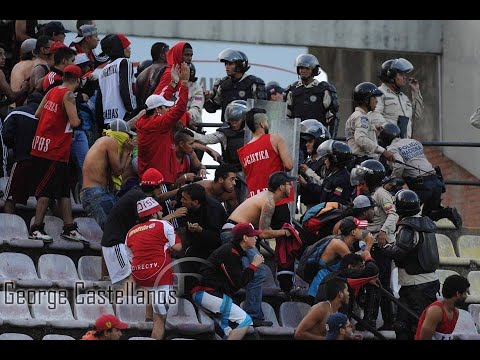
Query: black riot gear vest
x: 308, y: 102
x: 241, y: 90
x: 423, y: 256
x: 235, y: 140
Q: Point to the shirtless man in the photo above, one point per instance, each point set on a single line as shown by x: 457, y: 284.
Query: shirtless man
x: 259, y: 210
x: 312, y: 326
x: 222, y: 187
x: 102, y: 161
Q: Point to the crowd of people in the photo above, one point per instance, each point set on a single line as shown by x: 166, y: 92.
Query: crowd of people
x: 129, y: 146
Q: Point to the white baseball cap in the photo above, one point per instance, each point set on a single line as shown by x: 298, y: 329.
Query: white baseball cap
x: 155, y: 101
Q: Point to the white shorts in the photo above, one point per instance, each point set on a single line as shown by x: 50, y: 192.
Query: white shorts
x: 161, y: 297
x: 117, y: 262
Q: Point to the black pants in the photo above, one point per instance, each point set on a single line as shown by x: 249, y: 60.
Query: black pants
x: 430, y: 194
x: 416, y: 298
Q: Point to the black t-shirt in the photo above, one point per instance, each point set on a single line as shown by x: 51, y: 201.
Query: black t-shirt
x: 122, y: 218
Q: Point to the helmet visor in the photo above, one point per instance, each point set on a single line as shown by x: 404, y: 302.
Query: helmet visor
x: 325, y: 148
x: 402, y: 65
x: 357, y: 175
x: 307, y: 60
x: 229, y: 55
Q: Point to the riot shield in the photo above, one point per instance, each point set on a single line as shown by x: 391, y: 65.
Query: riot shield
x: 280, y: 124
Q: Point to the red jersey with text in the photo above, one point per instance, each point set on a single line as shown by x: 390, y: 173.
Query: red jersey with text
x: 444, y: 328
x: 54, y: 134
x: 259, y: 161
x: 150, y: 244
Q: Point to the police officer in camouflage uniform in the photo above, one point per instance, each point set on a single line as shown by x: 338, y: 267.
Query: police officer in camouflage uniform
x: 418, y: 173
x: 361, y: 134
x: 308, y: 98
x: 237, y: 85
x: 394, y: 106
x: 369, y: 174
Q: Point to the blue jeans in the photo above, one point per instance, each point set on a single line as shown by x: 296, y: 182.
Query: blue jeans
x: 253, y: 295
x: 79, y: 149
x: 97, y: 203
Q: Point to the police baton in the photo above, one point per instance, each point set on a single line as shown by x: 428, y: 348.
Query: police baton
x: 398, y: 303
x: 414, y: 167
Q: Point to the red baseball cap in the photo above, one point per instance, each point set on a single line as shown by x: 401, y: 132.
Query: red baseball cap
x: 109, y: 321
x: 152, y: 177
x: 351, y: 223
x: 56, y: 45
x: 123, y: 39
x: 244, y: 229
x: 73, y: 70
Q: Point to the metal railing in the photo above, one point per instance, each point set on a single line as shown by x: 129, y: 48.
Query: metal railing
x: 424, y: 143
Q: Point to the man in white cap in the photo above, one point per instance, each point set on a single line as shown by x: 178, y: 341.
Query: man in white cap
x: 110, y: 155
x: 155, y: 129
x: 150, y: 243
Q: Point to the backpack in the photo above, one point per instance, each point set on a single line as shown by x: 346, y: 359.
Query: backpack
x: 320, y: 219
x: 309, y: 263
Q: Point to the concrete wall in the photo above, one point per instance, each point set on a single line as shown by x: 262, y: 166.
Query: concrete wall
x: 460, y: 76
x: 391, y: 35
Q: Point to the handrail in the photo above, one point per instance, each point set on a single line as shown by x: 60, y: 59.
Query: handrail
x: 424, y: 143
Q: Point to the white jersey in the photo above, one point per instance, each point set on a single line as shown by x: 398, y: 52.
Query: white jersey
x: 109, y: 80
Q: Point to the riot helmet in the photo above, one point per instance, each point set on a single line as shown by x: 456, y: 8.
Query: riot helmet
x: 372, y: 172
x: 364, y: 91
x: 312, y: 129
x: 338, y: 153
x: 237, y: 57
x: 389, y: 132
x: 392, y: 67
x: 407, y: 203
x: 308, y: 61
x: 236, y: 110
x: 193, y: 71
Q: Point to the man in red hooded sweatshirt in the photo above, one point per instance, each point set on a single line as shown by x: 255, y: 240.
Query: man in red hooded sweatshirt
x: 156, y: 146
x: 181, y: 52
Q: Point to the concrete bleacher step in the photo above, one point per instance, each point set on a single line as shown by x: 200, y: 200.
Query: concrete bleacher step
x: 275, y: 331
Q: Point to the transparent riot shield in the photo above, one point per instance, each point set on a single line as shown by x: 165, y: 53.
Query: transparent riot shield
x: 279, y: 124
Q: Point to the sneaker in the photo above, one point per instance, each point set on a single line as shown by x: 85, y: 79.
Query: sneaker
x: 71, y: 233
x: 258, y: 322
x: 455, y: 218
x: 40, y: 234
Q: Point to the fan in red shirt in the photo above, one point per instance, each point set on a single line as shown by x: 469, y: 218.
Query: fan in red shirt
x: 51, y: 152
x: 150, y: 243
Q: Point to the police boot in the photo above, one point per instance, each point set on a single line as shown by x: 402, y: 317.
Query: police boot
x: 372, y: 303
x: 387, y: 314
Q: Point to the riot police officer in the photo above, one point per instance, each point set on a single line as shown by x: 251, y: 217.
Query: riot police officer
x: 415, y: 253
x: 336, y: 187
x: 236, y: 85
x: 413, y: 166
x: 394, y: 106
x: 311, y: 169
x: 361, y: 134
x: 370, y: 174
x: 231, y: 136
x: 308, y: 98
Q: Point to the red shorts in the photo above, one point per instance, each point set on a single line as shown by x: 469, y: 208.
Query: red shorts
x: 20, y: 185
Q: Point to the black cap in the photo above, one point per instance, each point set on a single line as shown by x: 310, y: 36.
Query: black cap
x: 279, y: 178
x: 54, y: 27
